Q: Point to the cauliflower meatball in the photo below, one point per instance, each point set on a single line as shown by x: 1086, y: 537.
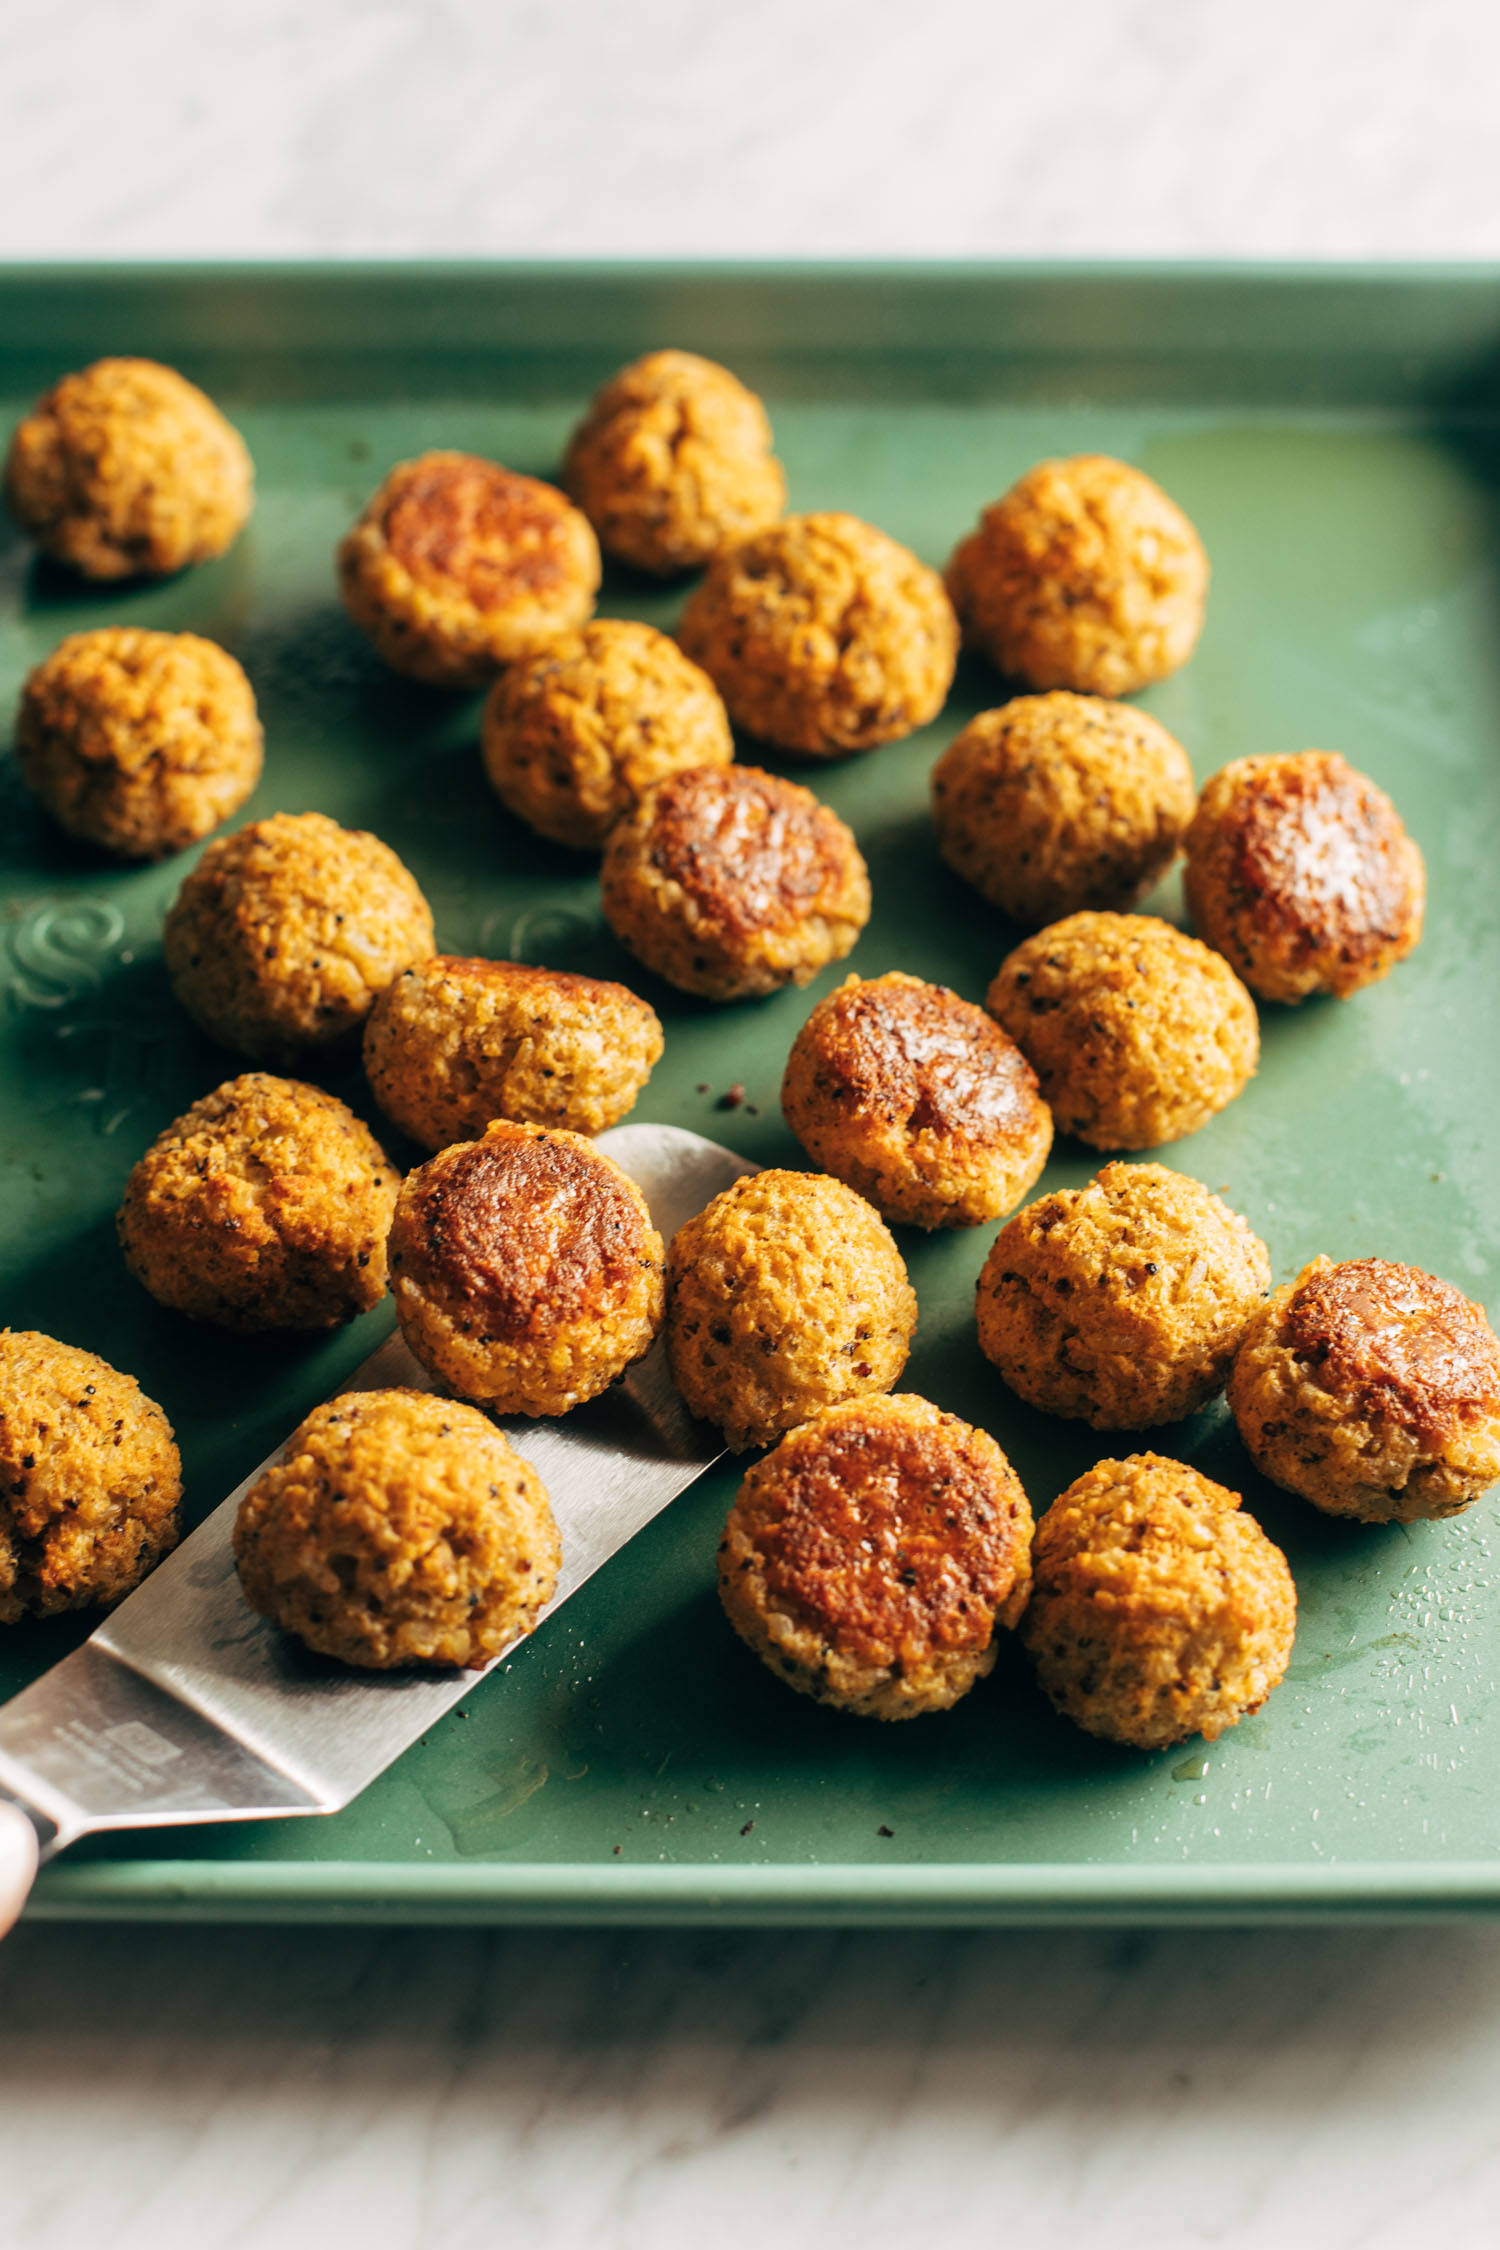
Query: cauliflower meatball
x: 89, y: 1480
x: 871, y: 1557
x: 1138, y: 1034
x: 398, y: 1529
x: 919, y: 1100
x: 1159, y: 1610
x: 1373, y: 1390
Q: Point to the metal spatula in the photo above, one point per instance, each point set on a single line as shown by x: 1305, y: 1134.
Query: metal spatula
x: 186, y: 1707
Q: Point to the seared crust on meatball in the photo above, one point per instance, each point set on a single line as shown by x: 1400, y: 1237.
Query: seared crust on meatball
x: 1121, y: 1304
x: 731, y: 882
x: 1059, y: 802
x: 398, y: 1529
x: 284, y: 933
x: 785, y: 1296
x: 1373, y: 1390
x: 573, y: 736
x: 870, y: 1559
x: 1138, y: 1034
x: 126, y: 470
x: 89, y: 1479
x: 673, y: 465
x: 1158, y: 1609
x: 824, y: 636
x: 526, y: 1270
x: 458, y: 567
x: 1300, y: 873
x: 919, y: 1100
x: 1084, y: 575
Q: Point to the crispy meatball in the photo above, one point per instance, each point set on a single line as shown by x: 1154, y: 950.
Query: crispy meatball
x: 673, y: 465
x: 731, y: 882
x: 453, y: 1044
x: 785, y: 1296
x: 265, y: 1206
x: 1159, y: 1610
x: 1373, y: 1390
x: 1085, y: 575
x: 89, y: 1479
x: 138, y: 741
x: 284, y: 933
x: 1301, y: 874
x: 572, y: 736
x: 1138, y: 1034
x: 458, y: 567
x: 871, y: 1557
x: 1058, y: 802
x: 1121, y: 1304
x: 526, y: 1269
x: 919, y: 1100
x: 398, y: 1529
x: 126, y: 470
x: 824, y: 636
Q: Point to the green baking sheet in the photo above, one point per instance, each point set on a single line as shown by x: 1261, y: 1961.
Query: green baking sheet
x: 1336, y: 437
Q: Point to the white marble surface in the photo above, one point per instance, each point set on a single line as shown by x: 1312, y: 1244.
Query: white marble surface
x: 432, y: 2091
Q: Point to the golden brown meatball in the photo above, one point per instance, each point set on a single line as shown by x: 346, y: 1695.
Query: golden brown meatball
x: 824, y: 636
x: 1138, y: 1034
x: 1373, y: 1390
x: 785, y: 1296
x: 89, y: 1479
x: 731, y: 882
x: 870, y: 1559
x: 138, y: 741
x: 266, y: 1205
x: 1121, y: 1304
x: 284, y: 933
x: 573, y: 736
x: 673, y: 465
x: 126, y: 470
x: 1301, y: 874
x: 458, y: 567
x: 398, y: 1529
x: 1085, y: 575
x: 453, y: 1044
x: 1158, y: 1609
x: 1058, y: 802
x: 919, y: 1100
x: 526, y: 1269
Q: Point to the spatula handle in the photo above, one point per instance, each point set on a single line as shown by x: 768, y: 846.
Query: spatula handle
x: 18, y: 1849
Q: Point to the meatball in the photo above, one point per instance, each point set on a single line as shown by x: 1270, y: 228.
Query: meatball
x: 673, y: 465
x: 1373, y: 1390
x: 140, y: 742
x: 1138, y: 1034
x: 871, y: 1557
x: 398, y: 1529
x: 453, y: 1044
x: 1159, y: 1610
x: 919, y: 1100
x: 126, y: 470
x: 89, y: 1480
x: 572, y: 736
x: 1301, y: 874
x: 1085, y: 575
x: 526, y: 1269
x: 1121, y: 1304
x: 285, y: 931
x: 266, y: 1205
x: 824, y: 636
x: 785, y: 1296
x: 458, y: 567
x: 730, y: 882
x: 1058, y: 802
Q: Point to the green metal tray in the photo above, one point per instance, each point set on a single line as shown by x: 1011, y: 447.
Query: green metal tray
x: 1336, y: 437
